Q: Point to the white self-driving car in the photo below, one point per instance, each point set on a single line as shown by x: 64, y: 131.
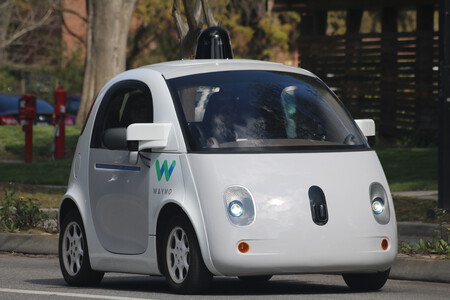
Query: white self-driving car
x: 220, y: 167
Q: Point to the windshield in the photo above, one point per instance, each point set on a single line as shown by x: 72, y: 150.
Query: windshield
x: 262, y: 111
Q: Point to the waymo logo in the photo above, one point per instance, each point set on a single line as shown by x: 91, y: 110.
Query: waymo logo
x: 164, y: 169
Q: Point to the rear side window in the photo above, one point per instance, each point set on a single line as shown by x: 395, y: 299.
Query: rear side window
x: 124, y: 104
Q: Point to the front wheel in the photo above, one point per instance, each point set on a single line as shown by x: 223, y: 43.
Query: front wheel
x: 366, y: 282
x: 183, y: 264
x: 73, y: 253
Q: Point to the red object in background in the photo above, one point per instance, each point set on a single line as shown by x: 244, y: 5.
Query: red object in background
x: 27, y: 112
x: 69, y: 121
x: 8, y: 120
x: 59, y: 118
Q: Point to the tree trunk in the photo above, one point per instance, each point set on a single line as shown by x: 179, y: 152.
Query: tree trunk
x: 106, y: 47
x: 198, y: 13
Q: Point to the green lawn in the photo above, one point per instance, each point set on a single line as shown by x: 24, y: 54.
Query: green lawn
x: 12, y: 142
x: 410, y: 169
x: 43, y: 169
x: 411, y: 209
x: 48, y: 197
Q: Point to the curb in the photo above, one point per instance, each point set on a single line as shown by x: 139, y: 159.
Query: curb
x: 29, y: 243
x: 432, y: 270
x: 417, y: 229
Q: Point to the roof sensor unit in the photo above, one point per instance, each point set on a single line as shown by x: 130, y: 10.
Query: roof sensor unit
x: 214, y: 43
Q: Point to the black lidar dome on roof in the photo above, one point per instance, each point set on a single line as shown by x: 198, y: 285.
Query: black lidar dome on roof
x: 214, y: 42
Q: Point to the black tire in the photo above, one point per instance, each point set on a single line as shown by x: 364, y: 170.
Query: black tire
x: 182, y: 260
x: 255, y: 279
x: 74, y: 255
x: 366, y: 282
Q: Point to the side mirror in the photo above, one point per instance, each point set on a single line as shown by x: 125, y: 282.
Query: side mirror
x: 367, y: 127
x: 115, y: 138
x: 148, y: 135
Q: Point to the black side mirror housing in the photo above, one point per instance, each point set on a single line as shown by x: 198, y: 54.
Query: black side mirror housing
x: 115, y: 138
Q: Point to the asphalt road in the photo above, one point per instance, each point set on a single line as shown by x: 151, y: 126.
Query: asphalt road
x: 34, y: 277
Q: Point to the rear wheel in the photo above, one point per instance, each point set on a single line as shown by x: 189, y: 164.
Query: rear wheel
x: 183, y: 264
x: 366, y: 282
x: 74, y: 255
x: 255, y: 279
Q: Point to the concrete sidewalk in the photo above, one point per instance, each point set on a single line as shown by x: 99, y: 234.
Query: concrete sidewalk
x: 404, y: 267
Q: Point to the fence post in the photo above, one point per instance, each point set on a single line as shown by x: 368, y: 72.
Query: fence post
x: 59, y: 121
x: 388, y: 80
x: 27, y: 112
x: 444, y: 105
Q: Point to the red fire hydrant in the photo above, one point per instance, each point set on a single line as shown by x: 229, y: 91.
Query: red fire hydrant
x: 59, y: 116
x: 27, y: 112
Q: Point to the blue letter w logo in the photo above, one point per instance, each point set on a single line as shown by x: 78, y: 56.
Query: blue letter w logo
x: 164, y: 169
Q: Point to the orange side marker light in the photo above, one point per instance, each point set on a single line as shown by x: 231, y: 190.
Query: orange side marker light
x: 243, y: 247
x: 384, y: 244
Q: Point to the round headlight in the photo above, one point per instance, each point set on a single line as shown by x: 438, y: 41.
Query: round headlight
x: 377, y: 206
x: 239, y: 205
x: 379, y: 202
x: 235, y: 208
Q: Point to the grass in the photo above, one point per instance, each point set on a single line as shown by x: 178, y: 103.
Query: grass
x: 43, y: 169
x: 44, y: 172
x: 27, y: 178
x: 410, y: 169
x: 48, y: 197
x: 422, y: 210
x: 12, y: 142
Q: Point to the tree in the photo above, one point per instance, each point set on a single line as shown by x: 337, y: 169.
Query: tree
x: 20, y: 17
x: 197, y: 13
x: 108, y: 23
x: 27, y: 28
x: 29, y: 41
x: 153, y: 34
x: 256, y: 31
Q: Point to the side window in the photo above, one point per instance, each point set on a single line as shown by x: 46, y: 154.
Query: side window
x: 124, y: 104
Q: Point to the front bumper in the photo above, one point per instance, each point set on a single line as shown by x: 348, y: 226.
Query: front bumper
x: 303, y: 255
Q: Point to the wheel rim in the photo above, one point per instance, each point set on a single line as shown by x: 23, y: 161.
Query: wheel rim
x: 178, y: 255
x: 73, y: 246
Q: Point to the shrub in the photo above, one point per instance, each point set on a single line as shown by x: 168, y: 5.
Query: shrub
x: 439, y: 244
x: 17, y: 213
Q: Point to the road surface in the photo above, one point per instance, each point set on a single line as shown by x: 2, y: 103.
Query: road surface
x: 39, y: 277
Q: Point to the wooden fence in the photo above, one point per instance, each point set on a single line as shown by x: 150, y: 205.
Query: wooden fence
x: 391, y: 78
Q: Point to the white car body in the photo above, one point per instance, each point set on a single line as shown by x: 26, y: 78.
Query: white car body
x: 124, y: 197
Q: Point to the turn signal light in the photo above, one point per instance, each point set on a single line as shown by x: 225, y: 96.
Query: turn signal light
x: 384, y: 244
x: 243, y: 247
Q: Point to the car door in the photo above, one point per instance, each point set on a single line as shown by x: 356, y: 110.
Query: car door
x: 118, y: 188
